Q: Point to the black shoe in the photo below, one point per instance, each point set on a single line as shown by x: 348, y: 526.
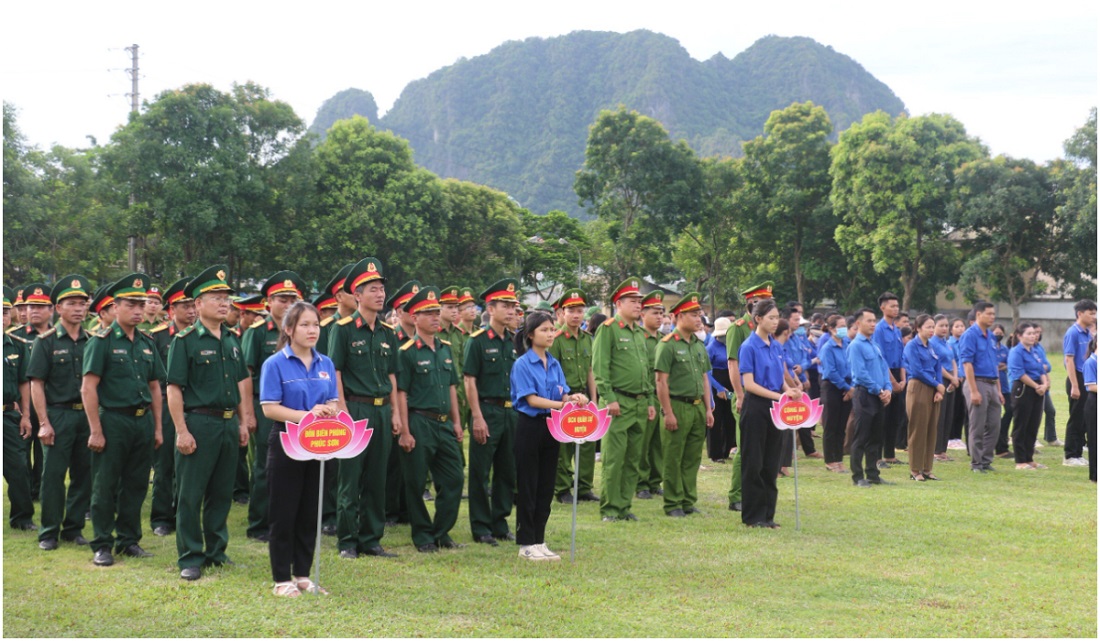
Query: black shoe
x: 162, y: 530
x: 988, y: 468
x: 588, y: 496
x: 29, y: 526
x: 239, y: 500
x: 379, y: 551
x: 692, y: 510
x: 772, y: 524
x: 735, y: 506
x: 610, y: 519
x: 328, y: 530
x: 134, y: 550
x: 505, y: 537
x: 763, y: 524
x: 486, y: 539
x: 428, y: 496
x: 48, y: 544
x: 77, y: 538
x: 862, y: 483
x: 103, y: 557
x: 565, y: 497
x: 677, y: 513
x: 643, y: 494
x: 630, y: 517
x: 882, y: 465
x: 427, y: 548
x: 878, y: 480
x: 450, y: 544
x: 349, y: 554
x: 191, y: 574
x: 261, y: 538
x: 718, y: 460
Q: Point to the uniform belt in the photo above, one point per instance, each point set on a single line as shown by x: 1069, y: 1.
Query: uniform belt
x: 377, y: 401
x: 213, y: 411
x: 435, y: 416
x: 622, y: 392
x: 11, y: 407
x: 987, y: 379
x: 133, y: 410
x: 500, y: 402
x: 687, y: 399
x: 69, y: 406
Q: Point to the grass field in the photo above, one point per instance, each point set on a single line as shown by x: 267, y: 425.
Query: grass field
x: 1004, y: 554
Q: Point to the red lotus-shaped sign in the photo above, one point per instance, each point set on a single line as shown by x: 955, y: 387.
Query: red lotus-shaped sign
x: 577, y: 424
x: 791, y: 414
x: 324, y: 438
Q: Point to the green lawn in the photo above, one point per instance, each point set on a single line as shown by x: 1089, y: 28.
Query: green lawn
x: 1006, y: 554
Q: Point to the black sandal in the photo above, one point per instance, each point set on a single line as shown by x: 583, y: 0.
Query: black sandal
x: 917, y: 477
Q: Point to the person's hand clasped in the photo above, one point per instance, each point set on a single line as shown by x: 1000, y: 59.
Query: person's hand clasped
x: 324, y: 410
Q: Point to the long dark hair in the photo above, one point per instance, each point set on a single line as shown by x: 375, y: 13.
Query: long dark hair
x: 290, y: 321
x: 531, y: 322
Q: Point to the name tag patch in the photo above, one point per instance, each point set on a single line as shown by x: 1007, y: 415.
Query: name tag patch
x: 209, y: 352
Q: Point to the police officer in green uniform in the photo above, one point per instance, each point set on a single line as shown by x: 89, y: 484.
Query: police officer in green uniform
x: 55, y: 369
x: 208, y: 384
x: 122, y: 400
x: 181, y: 315
x: 651, y: 462
x: 364, y: 352
x: 737, y: 334
x: 620, y: 365
x: 396, y: 508
x: 487, y: 369
x: 154, y: 309
x: 17, y: 423
x: 36, y: 298
x: 339, y: 304
x: 573, y: 349
x: 683, y: 389
x: 282, y: 289
x: 430, y: 437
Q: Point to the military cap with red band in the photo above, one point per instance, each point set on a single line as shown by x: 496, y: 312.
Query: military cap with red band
x: 36, y: 294
x: 402, y: 296
x: 426, y: 299
x: 629, y: 287
x: 571, y: 298
x: 324, y: 300
x: 466, y: 295
x: 450, y: 295
x: 689, y: 303
x: 763, y: 290
x: 655, y: 298
x: 365, y: 271
x: 153, y: 292
x: 506, y: 290
x: 283, y: 283
x: 101, y: 300
x: 174, y: 294
x: 254, y: 304
x: 71, y: 286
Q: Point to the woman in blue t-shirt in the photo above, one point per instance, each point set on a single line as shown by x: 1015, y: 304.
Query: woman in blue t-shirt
x: 1028, y: 383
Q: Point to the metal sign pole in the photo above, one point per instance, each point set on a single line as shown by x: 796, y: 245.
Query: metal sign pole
x: 317, y: 552
x: 794, y: 457
x: 576, y: 485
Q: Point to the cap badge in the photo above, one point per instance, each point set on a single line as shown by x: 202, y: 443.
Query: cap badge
x: 371, y: 267
x: 431, y: 295
x: 220, y: 274
x: 138, y: 283
x: 415, y: 289
x: 37, y: 291
x: 75, y: 284
x: 511, y: 287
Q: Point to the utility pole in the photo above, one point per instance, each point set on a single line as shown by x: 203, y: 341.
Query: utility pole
x: 135, y: 101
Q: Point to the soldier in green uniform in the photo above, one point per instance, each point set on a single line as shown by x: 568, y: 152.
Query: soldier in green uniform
x: 55, y: 369
x: 683, y: 389
x: 620, y: 365
x: 651, y: 461
x: 467, y: 310
x: 122, y: 400
x: 154, y: 309
x: 17, y: 423
x: 19, y: 311
x: 333, y: 303
x: 104, y: 308
x: 181, y: 315
x: 36, y: 298
x: 404, y: 329
x: 487, y: 369
x: 453, y: 332
x: 737, y: 334
x: 430, y: 436
x: 208, y: 383
x: 282, y: 289
x: 251, y: 309
x: 364, y: 352
x: 573, y: 349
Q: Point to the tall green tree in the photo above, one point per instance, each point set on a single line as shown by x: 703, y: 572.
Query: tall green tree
x: 892, y: 182
x: 1075, y: 183
x: 556, y: 245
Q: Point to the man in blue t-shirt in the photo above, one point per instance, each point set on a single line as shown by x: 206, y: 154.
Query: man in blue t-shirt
x: 1075, y: 347
x: 887, y: 337
x: 982, y: 389
x: 873, y: 394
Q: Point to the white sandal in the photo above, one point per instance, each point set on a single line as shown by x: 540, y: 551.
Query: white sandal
x: 305, y: 585
x: 286, y: 588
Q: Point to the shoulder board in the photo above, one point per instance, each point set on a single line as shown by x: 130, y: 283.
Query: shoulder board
x: 49, y: 332
x: 19, y: 339
x: 187, y: 331
x: 104, y: 333
x: 559, y: 333
x: 160, y: 328
x: 739, y: 322
x: 386, y: 325
x: 343, y: 321
x: 667, y: 338
x: 236, y: 331
x: 407, y: 345
x: 445, y: 342
x: 328, y: 321
x: 259, y: 323
x: 609, y: 322
x: 11, y: 330
x: 478, y: 332
x: 145, y: 333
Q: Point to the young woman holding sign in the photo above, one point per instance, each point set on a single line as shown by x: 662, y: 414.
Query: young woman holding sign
x: 538, y: 386
x: 295, y: 381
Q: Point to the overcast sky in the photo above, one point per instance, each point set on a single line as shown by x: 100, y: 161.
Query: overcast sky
x: 1020, y: 76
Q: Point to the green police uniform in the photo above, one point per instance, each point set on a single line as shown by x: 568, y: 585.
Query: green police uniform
x: 259, y: 343
x: 737, y: 334
x: 620, y: 364
x: 129, y: 371
x: 488, y: 359
x: 651, y: 462
x: 574, y: 352
x: 426, y: 374
x: 208, y: 369
x: 684, y: 359
x: 148, y: 325
x: 162, y: 514
x: 16, y: 471
x: 396, y: 509
x: 365, y: 359
x: 56, y: 361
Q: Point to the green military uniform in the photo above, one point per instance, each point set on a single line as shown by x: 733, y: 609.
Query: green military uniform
x: 457, y: 337
x: 16, y: 471
x: 259, y: 343
x: 574, y: 352
x: 120, y: 473
x: 148, y: 325
x: 325, y: 300
x: 33, y: 294
x: 651, y: 462
x: 208, y: 369
x: 162, y: 515
x: 620, y: 366
x: 488, y: 358
x: 426, y: 374
x: 684, y: 359
x: 256, y: 305
x: 57, y: 361
x: 737, y: 334
x: 396, y: 508
x: 365, y: 358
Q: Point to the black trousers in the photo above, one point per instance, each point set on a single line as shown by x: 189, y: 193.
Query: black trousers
x: 1027, y: 411
x: 1050, y: 432
x: 836, y: 418
x: 869, y: 416
x: 947, y: 416
x: 961, y: 416
x: 1075, y: 426
x: 292, y: 488
x: 723, y: 436
x: 760, y: 451
x: 536, y: 455
x: 894, y: 422
x: 1006, y: 424
x: 1090, y: 431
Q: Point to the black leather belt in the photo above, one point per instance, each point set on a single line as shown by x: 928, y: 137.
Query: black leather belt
x: 622, y: 392
x: 687, y: 399
x: 986, y: 379
x: 69, y: 406
x: 435, y: 416
x: 213, y: 411
x: 134, y: 410
x: 377, y: 401
x: 499, y: 402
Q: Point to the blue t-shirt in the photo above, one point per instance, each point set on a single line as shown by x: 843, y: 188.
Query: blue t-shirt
x: 954, y: 344
x: 868, y: 366
x: 1022, y: 360
x: 765, y: 361
x: 980, y: 349
x: 1043, y: 355
x: 529, y: 376
x: 922, y: 363
x: 284, y: 380
x: 945, y: 352
x: 795, y: 356
x: 888, y: 339
x: 834, y: 363
x: 1090, y: 370
x: 1076, y: 344
x: 1002, y: 357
